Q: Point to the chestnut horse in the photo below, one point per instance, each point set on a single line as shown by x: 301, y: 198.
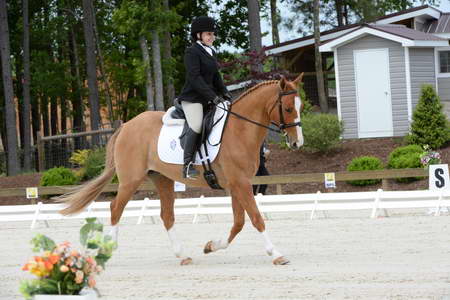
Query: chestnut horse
x: 132, y: 154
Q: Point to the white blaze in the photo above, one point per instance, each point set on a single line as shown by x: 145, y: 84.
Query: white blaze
x: 298, y: 105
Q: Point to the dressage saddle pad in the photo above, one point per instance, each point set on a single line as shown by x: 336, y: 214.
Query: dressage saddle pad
x: 169, y: 148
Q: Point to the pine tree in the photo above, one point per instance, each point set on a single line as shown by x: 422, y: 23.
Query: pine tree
x: 429, y: 126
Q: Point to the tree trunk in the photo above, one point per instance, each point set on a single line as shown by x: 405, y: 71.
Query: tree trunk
x: 339, y: 12
x: 102, y: 68
x: 26, y: 114
x: 45, y: 118
x: 167, y: 41
x: 149, y: 81
x: 77, y: 100
x: 318, y: 59
x: 10, y: 109
x: 275, y: 21
x: 254, y: 27
x: 54, y: 115
x: 91, y: 68
x: 157, y: 70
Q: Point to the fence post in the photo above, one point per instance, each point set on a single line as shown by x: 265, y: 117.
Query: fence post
x: 279, y: 192
x: 41, y: 152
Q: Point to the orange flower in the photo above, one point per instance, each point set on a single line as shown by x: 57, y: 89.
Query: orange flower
x: 75, y: 253
x: 48, y: 265
x: 79, y: 275
x: 91, y: 281
x: 54, y: 258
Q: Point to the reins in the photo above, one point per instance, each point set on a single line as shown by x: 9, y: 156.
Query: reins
x: 280, y: 127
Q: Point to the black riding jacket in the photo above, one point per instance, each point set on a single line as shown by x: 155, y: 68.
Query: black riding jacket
x: 203, y: 80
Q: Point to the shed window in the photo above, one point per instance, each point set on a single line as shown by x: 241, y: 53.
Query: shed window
x: 444, y: 61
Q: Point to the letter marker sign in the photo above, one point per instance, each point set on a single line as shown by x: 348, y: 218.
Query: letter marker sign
x: 438, y: 177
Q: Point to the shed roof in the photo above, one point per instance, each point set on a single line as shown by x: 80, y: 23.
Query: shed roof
x: 442, y: 25
x: 398, y: 33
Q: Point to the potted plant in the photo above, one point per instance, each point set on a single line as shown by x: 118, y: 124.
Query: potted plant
x: 64, y: 273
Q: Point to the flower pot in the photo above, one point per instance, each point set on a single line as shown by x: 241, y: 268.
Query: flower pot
x: 65, y: 297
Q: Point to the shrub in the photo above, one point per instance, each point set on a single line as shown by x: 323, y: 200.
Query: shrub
x: 79, y: 157
x: 364, y: 163
x: 58, y: 176
x: 429, y: 126
x: 322, y: 132
x: 406, y: 157
x: 94, y: 165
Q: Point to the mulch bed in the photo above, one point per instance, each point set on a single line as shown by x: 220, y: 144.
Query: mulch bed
x: 280, y: 161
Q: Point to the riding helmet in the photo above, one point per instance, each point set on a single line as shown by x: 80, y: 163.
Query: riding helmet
x: 202, y: 24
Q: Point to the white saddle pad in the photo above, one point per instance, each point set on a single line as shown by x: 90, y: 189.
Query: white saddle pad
x: 169, y: 148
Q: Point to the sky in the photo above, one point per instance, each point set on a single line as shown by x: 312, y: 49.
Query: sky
x: 285, y: 35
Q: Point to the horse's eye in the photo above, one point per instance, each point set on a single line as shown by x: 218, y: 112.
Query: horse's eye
x: 288, y: 110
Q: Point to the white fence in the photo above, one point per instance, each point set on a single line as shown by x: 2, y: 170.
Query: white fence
x: 313, y: 203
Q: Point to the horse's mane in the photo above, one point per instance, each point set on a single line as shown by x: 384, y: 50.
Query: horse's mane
x: 264, y: 83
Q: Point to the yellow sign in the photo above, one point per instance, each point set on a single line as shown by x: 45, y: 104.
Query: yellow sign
x: 330, y: 181
x: 32, y: 192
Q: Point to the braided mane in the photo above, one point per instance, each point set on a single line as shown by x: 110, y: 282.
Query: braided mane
x: 264, y: 83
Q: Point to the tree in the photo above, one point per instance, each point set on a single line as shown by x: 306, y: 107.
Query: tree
x: 429, y: 126
x: 26, y: 114
x: 10, y: 111
x: 91, y: 66
x: 167, y: 50
x: 148, y: 72
x: 275, y: 18
x: 318, y: 60
x: 156, y: 49
x: 254, y: 27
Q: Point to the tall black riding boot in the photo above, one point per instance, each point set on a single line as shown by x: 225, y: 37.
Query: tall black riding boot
x: 190, y: 148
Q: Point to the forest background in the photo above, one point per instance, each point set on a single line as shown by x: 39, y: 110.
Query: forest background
x: 71, y: 66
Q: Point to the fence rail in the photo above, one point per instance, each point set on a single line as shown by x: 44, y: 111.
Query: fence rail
x: 196, y: 207
x: 272, y: 179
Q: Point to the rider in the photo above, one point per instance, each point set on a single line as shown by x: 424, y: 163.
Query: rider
x: 202, y: 87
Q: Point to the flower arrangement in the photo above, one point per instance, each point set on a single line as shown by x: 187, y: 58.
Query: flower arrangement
x: 61, y: 269
x: 429, y: 157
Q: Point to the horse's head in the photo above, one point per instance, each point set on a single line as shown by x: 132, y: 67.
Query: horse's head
x: 285, y: 113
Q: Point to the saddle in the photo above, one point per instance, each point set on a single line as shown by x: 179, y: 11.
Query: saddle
x: 214, y: 121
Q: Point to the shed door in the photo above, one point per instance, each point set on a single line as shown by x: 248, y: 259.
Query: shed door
x: 373, y: 93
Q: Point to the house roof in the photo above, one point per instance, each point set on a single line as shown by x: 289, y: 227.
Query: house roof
x: 398, y: 33
x: 405, y: 32
x: 442, y: 25
x: 336, y: 32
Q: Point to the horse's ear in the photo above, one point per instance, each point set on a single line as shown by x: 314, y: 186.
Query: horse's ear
x: 298, y: 79
x: 282, y: 83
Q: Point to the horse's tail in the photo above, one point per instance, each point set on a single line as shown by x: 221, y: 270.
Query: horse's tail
x: 78, y: 199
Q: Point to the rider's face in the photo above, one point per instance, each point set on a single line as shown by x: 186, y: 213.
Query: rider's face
x: 207, y: 38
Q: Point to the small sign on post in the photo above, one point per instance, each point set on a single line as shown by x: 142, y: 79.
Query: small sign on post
x: 438, y: 177
x: 330, y: 181
x: 32, y: 193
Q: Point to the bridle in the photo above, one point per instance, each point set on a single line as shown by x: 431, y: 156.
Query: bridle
x: 282, y: 125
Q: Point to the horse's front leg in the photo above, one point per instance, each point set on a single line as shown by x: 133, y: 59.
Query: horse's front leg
x: 241, y: 189
x: 164, y: 186
x: 238, y: 224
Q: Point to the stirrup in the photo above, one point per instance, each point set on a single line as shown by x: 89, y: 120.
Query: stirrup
x: 190, y: 172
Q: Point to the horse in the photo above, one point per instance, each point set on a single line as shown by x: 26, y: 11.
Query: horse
x: 131, y: 153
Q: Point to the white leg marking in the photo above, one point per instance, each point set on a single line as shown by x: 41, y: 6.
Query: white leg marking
x: 298, y: 105
x: 270, y: 249
x: 219, y: 244
x: 176, y: 245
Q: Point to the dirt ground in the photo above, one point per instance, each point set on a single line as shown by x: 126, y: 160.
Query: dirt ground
x: 405, y: 256
x: 281, y: 161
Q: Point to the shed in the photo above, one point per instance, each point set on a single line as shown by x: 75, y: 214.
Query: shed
x: 379, y: 72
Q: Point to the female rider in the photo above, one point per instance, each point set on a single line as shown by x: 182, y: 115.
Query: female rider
x: 203, y: 86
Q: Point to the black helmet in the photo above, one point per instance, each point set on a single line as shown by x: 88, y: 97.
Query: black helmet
x: 202, y: 24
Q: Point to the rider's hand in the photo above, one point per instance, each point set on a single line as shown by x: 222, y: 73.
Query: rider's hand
x: 218, y: 100
x: 227, y: 96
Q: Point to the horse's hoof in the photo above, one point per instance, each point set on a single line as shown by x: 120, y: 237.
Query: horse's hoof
x: 208, y: 247
x: 280, y: 261
x: 186, y: 261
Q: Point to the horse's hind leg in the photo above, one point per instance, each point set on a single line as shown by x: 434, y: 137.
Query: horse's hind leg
x: 238, y: 224
x: 124, y: 194
x: 164, y: 187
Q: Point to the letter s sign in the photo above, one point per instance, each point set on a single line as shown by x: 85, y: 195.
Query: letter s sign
x: 439, y: 178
